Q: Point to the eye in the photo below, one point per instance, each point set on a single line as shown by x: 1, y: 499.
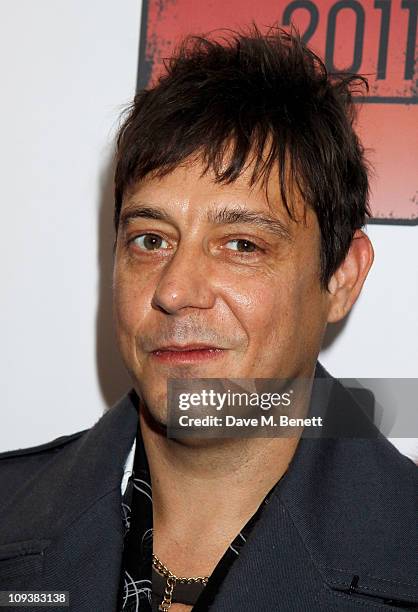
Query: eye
x: 243, y: 246
x: 150, y: 242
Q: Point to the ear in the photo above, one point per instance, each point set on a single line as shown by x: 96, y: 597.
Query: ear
x: 346, y: 282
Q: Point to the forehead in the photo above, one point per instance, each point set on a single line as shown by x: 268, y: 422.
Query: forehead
x: 192, y: 191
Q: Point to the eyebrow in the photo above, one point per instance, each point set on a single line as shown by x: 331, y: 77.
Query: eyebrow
x: 220, y: 216
x: 143, y: 212
x: 228, y: 216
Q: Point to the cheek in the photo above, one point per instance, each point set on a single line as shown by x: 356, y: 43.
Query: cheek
x: 262, y: 306
x: 307, y: 316
x: 129, y: 302
x: 278, y: 310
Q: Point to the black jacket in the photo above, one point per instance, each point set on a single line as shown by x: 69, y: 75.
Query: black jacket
x: 340, y: 532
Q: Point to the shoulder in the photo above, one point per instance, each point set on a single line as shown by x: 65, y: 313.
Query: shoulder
x: 122, y: 410
x: 53, y: 461
x: 19, y: 466
x: 358, y: 471
x: 45, y: 488
x: 53, y: 446
x: 359, y: 448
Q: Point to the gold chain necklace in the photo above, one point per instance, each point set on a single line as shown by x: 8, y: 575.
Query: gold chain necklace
x: 171, y: 581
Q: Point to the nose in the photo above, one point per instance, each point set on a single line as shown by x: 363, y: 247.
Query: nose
x: 185, y: 282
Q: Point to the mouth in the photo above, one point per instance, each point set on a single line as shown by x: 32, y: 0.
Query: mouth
x: 188, y: 353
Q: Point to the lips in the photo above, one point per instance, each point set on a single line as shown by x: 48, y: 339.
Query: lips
x: 187, y: 353
x: 186, y: 347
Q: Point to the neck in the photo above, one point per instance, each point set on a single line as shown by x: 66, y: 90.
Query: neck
x: 237, y: 472
x: 204, y: 492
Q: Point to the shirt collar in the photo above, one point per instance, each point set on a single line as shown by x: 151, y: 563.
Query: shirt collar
x: 128, y: 468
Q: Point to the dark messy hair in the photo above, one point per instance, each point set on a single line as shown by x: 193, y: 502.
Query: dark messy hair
x: 274, y: 101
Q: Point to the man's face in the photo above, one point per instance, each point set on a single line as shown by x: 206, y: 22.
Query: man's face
x: 200, y: 263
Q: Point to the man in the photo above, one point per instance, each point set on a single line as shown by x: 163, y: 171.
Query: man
x: 240, y: 190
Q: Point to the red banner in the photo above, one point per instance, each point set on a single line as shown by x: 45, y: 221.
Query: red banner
x: 377, y: 38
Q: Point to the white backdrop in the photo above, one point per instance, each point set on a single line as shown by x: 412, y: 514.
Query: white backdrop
x: 67, y: 70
